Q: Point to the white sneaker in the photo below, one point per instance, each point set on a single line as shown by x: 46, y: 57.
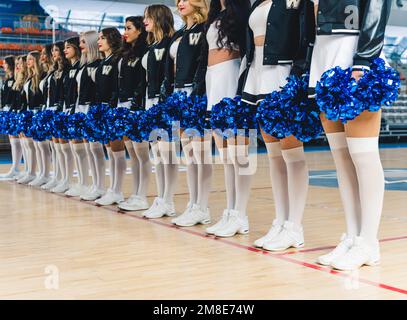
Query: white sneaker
x: 271, y: 234
x: 187, y: 209
x: 39, y: 181
x: 134, y: 203
x: 159, y: 209
x: 20, y: 175
x: 50, y: 184
x: 360, y: 254
x: 342, y: 248
x: 92, y: 194
x: 75, y: 190
x: 61, y: 187
x: 194, y: 216
x: 26, y: 179
x: 237, y: 223
x: 220, y: 223
x: 110, y: 198
x: 289, y: 237
x: 11, y: 175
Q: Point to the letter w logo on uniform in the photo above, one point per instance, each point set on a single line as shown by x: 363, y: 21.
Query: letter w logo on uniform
x: 106, y: 70
x: 159, y: 54
x: 194, y: 38
x: 72, y: 73
x: 293, y: 4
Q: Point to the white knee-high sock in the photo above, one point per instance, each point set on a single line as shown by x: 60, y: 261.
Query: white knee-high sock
x: 68, y: 162
x: 142, y: 153
x: 279, y: 181
x: 32, y: 157
x: 298, y: 181
x: 202, y: 151
x: 83, y: 165
x: 230, y: 185
x: 45, y: 157
x: 119, y: 170
x: 99, y: 159
x: 54, y: 160
x: 110, y: 158
x: 61, y: 161
x: 244, y: 165
x: 192, y: 170
x: 38, y: 157
x: 91, y: 163
x: 16, y: 153
x: 347, y: 181
x: 134, y: 165
x: 159, y: 169
x: 366, y: 158
x: 24, y: 146
x: 168, y: 154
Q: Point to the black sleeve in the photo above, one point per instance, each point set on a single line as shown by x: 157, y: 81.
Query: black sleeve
x: 372, y: 28
x: 302, y: 60
x: 199, y: 85
x: 115, y: 85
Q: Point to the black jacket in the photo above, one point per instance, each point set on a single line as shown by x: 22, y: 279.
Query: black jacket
x: 34, y: 100
x: 107, y: 81
x: 289, y: 32
x: 7, y: 93
x: 71, y: 88
x: 56, y: 90
x: 132, y: 82
x: 45, y: 89
x: 156, y: 61
x: 189, y: 56
x: 87, y: 87
x: 373, y: 15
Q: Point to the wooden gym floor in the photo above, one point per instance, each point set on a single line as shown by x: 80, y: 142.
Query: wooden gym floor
x: 54, y: 247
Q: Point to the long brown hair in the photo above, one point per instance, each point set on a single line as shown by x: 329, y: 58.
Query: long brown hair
x: 114, y: 39
x: 163, y: 22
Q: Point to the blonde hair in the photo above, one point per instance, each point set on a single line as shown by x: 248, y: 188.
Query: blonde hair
x: 21, y: 75
x: 163, y: 22
x: 201, y: 10
x: 35, y: 73
x: 91, y: 42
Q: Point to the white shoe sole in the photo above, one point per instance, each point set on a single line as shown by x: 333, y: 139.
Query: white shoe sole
x: 369, y: 264
x: 296, y: 246
x: 229, y: 235
x: 132, y: 208
x: 203, y: 222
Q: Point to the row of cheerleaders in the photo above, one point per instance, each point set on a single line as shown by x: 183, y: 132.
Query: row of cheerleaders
x: 281, y: 114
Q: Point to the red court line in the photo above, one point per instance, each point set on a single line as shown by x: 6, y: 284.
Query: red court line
x: 283, y: 257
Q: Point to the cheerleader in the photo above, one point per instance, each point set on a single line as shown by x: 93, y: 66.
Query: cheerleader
x: 225, y: 48
x: 132, y: 87
x: 93, y: 151
x: 7, y: 96
x: 110, y: 42
x: 72, y: 54
x: 32, y: 101
x: 55, y: 102
x: 354, y: 146
x: 159, y: 24
x: 18, y: 100
x: 182, y: 66
x: 273, y: 39
x: 43, y: 147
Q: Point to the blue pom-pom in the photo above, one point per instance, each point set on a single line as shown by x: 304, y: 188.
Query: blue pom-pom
x: 335, y: 95
x: 4, y: 119
x: 233, y: 117
x: 140, y: 128
x: 379, y: 86
x: 42, y: 125
x: 76, y: 125
x: 60, y: 125
x: 13, y: 120
x: 118, y: 123
x: 96, y: 126
x: 25, y: 122
x: 194, y: 114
